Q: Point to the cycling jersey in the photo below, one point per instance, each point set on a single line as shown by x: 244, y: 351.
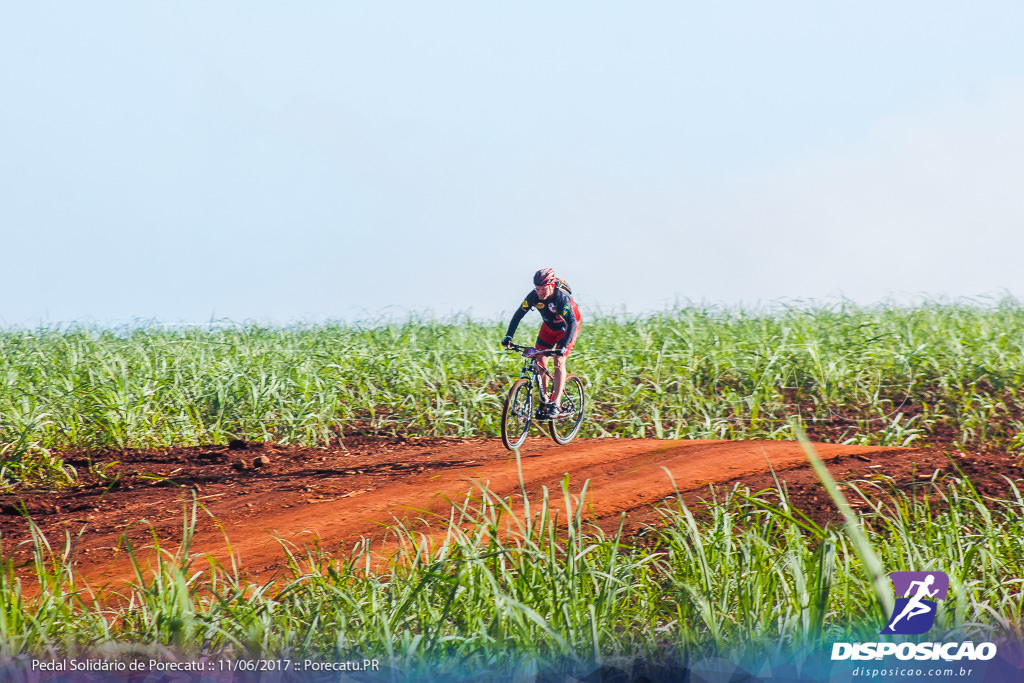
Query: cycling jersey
x: 559, y: 312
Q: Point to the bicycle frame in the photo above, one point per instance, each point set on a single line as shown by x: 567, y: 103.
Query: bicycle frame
x: 533, y: 370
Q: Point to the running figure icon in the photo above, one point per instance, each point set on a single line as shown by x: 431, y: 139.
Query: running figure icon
x: 915, y: 606
x: 917, y: 596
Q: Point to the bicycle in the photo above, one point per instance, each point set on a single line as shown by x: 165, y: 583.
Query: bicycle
x: 519, y: 413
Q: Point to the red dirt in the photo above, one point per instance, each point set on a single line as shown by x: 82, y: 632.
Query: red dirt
x: 338, y: 495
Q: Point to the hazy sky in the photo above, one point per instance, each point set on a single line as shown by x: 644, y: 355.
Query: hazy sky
x: 182, y: 161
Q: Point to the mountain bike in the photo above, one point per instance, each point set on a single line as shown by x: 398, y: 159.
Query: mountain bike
x: 521, y: 409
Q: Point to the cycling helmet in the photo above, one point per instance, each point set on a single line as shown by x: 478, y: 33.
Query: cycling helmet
x: 544, y: 276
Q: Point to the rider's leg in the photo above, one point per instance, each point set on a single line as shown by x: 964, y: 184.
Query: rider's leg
x: 559, y: 374
x: 545, y: 340
x: 543, y: 362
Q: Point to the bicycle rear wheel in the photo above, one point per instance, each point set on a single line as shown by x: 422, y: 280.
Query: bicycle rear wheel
x: 517, y: 415
x: 567, y: 424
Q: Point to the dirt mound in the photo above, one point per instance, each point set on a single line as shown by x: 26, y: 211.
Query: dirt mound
x: 258, y: 495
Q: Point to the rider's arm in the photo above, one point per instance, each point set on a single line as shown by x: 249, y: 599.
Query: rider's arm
x: 570, y: 330
x: 570, y: 320
x: 520, y: 312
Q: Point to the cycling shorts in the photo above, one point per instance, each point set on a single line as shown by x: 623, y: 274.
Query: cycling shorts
x: 547, y: 338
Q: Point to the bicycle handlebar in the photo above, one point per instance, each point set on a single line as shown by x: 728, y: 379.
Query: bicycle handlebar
x: 526, y: 351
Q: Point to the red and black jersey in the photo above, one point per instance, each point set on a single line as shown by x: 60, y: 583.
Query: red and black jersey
x: 559, y: 312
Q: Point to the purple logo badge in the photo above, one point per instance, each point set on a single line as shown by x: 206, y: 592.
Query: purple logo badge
x: 917, y: 596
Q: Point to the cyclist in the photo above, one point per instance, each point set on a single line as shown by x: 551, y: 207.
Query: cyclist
x: 553, y: 300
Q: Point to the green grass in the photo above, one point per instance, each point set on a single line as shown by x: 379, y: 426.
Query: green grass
x: 746, y: 576
x: 950, y: 372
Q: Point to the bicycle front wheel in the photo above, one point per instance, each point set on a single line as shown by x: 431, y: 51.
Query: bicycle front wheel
x: 517, y: 415
x: 570, y: 417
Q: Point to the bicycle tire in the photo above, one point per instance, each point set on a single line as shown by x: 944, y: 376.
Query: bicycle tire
x: 574, y: 400
x: 517, y: 415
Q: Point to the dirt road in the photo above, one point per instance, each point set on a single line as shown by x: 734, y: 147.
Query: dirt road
x: 255, y: 494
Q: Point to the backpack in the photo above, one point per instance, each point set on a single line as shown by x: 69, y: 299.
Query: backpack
x: 563, y: 285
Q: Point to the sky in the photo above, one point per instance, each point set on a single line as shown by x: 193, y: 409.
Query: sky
x: 279, y: 162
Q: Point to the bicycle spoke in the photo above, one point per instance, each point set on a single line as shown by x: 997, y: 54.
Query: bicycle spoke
x: 564, y: 428
x: 517, y: 415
